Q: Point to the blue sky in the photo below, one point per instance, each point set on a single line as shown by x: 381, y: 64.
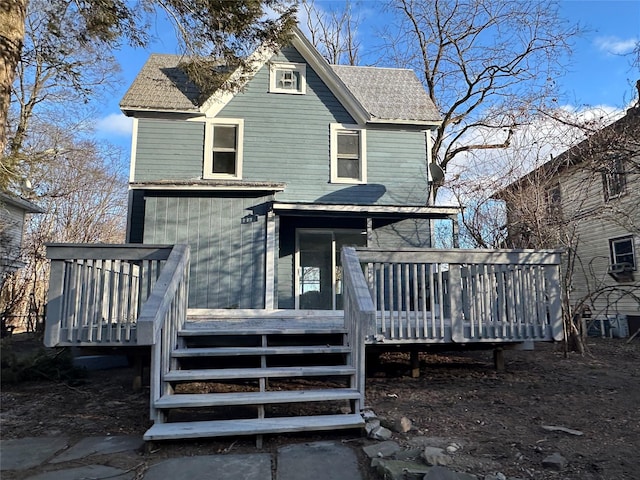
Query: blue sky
x: 599, y: 75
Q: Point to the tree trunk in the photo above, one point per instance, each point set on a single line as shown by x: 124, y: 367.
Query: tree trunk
x: 12, y: 17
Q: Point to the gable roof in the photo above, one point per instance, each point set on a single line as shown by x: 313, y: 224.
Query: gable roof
x: 370, y: 94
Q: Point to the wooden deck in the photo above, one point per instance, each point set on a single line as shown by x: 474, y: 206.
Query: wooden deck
x: 137, y: 295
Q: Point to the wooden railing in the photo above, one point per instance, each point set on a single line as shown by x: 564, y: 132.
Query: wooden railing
x: 439, y: 296
x: 359, y: 314
x: 97, y: 292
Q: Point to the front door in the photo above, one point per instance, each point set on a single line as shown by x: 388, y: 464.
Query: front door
x: 318, y: 266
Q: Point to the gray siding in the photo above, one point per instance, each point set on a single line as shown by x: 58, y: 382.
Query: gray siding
x: 227, y: 250
x: 169, y: 150
x: 286, y: 139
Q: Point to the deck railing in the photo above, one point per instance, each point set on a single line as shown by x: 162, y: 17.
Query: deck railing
x: 97, y: 292
x: 359, y: 314
x: 439, y: 296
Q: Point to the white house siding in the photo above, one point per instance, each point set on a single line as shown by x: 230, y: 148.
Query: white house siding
x: 596, y: 222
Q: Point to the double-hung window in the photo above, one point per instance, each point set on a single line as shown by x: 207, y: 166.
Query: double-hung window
x: 223, y: 148
x: 287, y: 78
x: 348, y: 154
x: 622, y: 251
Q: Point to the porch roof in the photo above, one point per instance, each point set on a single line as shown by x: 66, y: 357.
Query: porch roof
x: 373, y: 211
x: 199, y: 184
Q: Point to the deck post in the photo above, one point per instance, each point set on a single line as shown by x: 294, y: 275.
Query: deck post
x: 498, y: 359
x: 55, y: 304
x: 414, y: 357
x: 269, y: 271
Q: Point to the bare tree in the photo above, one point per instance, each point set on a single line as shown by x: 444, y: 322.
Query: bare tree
x: 82, y: 191
x: 334, y: 32
x: 56, y: 76
x: 486, y: 64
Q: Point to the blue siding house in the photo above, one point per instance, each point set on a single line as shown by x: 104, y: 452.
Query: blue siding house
x: 267, y: 184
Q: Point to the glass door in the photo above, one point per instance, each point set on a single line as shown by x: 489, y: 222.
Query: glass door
x: 318, y: 267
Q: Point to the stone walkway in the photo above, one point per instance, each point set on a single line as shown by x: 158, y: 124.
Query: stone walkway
x: 56, y: 459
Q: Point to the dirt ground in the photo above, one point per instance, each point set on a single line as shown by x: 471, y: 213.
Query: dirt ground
x: 498, y: 418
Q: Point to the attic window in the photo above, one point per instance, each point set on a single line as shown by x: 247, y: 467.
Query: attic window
x: 288, y: 78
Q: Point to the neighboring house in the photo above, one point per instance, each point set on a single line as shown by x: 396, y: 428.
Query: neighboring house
x: 266, y: 185
x: 13, y: 210
x: 588, y: 199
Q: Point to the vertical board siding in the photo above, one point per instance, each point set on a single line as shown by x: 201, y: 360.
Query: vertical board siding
x: 228, y: 257
x: 169, y: 149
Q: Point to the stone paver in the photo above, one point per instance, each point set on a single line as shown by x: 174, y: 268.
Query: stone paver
x: 318, y: 460
x: 221, y: 467
x: 99, y: 446
x: 25, y: 453
x: 85, y: 473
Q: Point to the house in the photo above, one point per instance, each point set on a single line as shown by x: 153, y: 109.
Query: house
x: 273, y: 232
x: 266, y: 185
x: 13, y: 211
x: 587, y: 199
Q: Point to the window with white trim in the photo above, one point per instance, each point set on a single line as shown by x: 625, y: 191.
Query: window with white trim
x: 623, y: 251
x: 348, y: 154
x: 288, y: 78
x: 223, y: 148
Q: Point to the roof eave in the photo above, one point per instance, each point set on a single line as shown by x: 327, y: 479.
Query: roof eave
x: 401, y: 121
x: 131, y: 111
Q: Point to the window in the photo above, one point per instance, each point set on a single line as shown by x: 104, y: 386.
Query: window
x: 614, y: 179
x: 223, y: 149
x: 554, y: 202
x: 348, y: 154
x: 287, y: 78
x: 622, y: 251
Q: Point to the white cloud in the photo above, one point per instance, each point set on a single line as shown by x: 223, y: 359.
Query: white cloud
x: 114, y: 124
x: 615, y: 45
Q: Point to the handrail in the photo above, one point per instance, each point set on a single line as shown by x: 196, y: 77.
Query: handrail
x: 359, y: 314
x: 439, y: 296
x: 163, y: 296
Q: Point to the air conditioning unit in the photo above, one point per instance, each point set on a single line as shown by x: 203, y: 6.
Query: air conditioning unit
x: 621, y: 272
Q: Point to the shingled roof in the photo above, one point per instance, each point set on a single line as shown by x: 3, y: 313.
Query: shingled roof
x: 387, y: 94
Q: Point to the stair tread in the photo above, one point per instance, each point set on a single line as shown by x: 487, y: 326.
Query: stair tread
x: 257, y: 426
x: 288, y: 350
x: 230, y: 329
x: 269, y: 372
x: 185, y: 400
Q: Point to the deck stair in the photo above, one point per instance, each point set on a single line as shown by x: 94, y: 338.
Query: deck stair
x: 253, y: 376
